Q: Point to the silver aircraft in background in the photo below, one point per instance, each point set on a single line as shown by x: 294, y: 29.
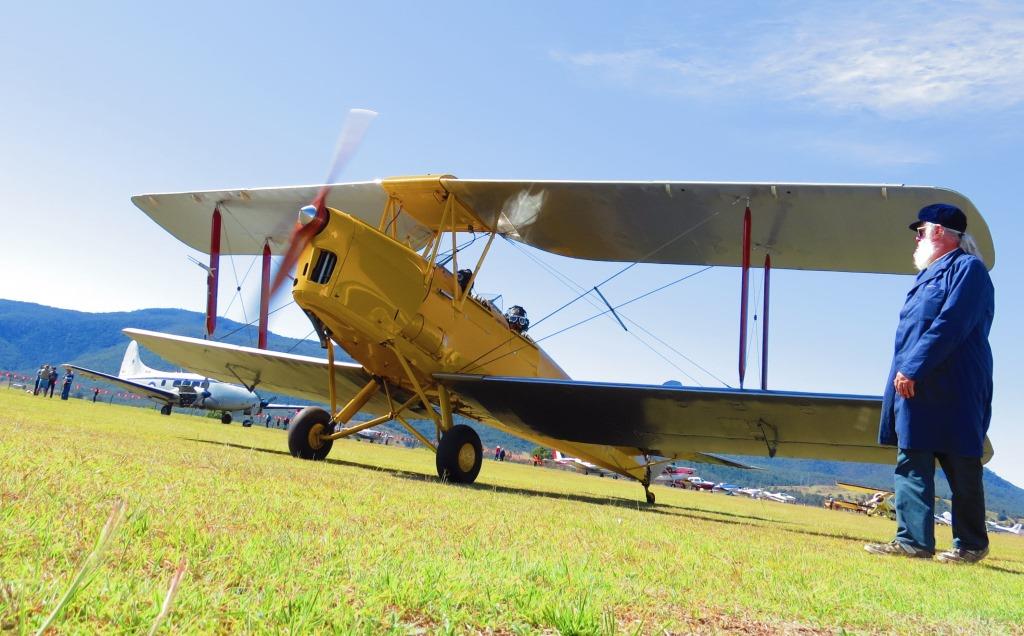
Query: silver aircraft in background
x: 185, y: 390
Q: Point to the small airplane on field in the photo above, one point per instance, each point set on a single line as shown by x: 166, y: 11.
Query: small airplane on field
x: 1014, y: 529
x: 882, y: 503
x: 729, y: 489
x: 580, y: 466
x: 675, y: 475
x: 374, y: 435
x: 372, y: 276
x: 185, y: 390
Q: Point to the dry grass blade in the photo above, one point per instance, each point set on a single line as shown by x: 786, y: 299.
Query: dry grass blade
x: 172, y: 591
x: 90, y: 564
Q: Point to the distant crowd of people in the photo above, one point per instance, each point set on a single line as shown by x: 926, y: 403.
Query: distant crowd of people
x: 46, y: 381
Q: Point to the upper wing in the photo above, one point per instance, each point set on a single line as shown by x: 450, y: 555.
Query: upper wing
x: 672, y: 421
x: 170, y: 397
x: 250, y: 216
x: 834, y: 227
x: 852, y: 228
x: 286, y: 373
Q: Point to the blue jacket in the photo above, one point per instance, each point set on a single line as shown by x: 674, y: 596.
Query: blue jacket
x: 942, y: 344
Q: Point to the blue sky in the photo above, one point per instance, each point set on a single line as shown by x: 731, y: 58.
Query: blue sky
x: 108, y: 101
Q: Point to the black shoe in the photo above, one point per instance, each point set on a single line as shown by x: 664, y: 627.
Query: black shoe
x: 895, y: 548
x: 959, y: 555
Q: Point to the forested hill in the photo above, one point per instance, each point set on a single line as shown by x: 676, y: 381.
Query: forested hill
x: 32, y: 335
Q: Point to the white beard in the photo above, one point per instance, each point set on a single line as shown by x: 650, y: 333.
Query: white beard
x: 924, y: 255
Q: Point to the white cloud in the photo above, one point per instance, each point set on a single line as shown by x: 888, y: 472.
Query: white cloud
x: 909, y: 60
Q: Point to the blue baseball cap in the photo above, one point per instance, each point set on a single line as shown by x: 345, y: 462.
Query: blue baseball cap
x: 944, y: 214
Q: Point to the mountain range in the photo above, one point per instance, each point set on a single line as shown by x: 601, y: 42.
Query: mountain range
x: 32, y: 334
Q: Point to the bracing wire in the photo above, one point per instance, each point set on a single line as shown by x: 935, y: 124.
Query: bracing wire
x: 252, y: 323
x: 569, y: 283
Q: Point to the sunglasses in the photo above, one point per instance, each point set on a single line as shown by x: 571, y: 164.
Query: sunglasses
x: 922, y: 231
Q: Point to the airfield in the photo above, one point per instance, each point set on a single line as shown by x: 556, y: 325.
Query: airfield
x: 371, y: 542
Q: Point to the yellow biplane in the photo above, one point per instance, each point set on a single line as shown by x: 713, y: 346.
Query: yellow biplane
x: 368, y: 278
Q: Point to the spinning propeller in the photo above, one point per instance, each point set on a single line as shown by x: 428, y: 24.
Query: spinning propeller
x: 313, y: 216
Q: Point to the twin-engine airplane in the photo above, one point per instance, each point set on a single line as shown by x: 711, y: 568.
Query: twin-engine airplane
x: 369, y: 280
x: 186, y: 390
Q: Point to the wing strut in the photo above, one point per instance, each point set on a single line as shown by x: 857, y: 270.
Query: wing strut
x: 744, y: 289
x: 764, y: 325
x: 212, y: 276
x: 264, y: 296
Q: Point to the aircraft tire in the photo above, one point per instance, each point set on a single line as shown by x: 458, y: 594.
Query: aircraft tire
x: 165, y: 409
x: 225, y: 418
x: 650, y: 497
x: 459, y: 455
x: 246, y: 423
x: 303, y: 433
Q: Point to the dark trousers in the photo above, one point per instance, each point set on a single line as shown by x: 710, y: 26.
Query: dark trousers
x: 915, y: 499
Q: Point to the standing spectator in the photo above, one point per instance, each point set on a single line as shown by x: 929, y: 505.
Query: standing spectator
x: 51, y: 380
x: 501, y: 455
x: 69, y: 378
x: 938, y: 399
x: 95, y: 392
x: 497, y: 452
x: 42, y: 376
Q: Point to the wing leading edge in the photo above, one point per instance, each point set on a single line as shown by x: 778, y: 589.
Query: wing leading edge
x: 674, y: 422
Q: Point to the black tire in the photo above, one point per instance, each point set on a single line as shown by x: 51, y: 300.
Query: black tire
x: 246, y: 423
x: 303, y: 432
x: 225, y: 418
x: 165, y: 409
x: 650, y: 497
x: 459, y: 455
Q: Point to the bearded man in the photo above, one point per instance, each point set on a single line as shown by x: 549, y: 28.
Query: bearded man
x: 938, y: 399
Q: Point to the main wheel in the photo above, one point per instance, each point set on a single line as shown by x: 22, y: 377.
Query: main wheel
x: 246, y: 423
x: 225, y: 418
x: 165, y: 409
x: 304, y: 434
x: 459, y: 455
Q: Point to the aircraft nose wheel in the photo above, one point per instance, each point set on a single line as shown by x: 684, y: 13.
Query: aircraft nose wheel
x: 165, y: 409
x: 225, y: 418
x: 304, y: 433
x: 650, y: 495
x: 459, y: 455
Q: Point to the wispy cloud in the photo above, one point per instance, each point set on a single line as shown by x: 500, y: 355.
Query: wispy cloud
x: 909, y: 60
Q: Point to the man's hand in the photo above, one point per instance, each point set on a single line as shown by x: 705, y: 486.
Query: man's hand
x: 904, y: 385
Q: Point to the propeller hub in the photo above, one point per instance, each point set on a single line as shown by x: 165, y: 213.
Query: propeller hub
x: 307, y: 214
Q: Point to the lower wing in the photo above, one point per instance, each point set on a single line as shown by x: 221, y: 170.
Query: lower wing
x: 683, y: 422
x: 259, y: 369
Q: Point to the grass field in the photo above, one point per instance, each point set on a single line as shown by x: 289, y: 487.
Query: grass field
x: 371, y: 542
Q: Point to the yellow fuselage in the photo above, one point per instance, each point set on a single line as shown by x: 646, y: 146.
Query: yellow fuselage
x: 381, y: 294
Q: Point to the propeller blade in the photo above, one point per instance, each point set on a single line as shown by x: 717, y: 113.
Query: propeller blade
x: 311, y: 222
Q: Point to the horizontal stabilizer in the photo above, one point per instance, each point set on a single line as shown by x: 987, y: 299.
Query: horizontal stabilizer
x: 152, y: 392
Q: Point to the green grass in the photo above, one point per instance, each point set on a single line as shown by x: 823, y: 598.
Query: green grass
x: 371, y: 542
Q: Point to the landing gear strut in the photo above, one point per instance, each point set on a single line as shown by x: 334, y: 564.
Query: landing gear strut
x: 305, y: 434
x: 647, y: 483
x: 165, y: 409
x: 459, y: 455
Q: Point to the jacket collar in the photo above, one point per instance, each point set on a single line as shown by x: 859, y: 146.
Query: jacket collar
x: 937, y: 268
